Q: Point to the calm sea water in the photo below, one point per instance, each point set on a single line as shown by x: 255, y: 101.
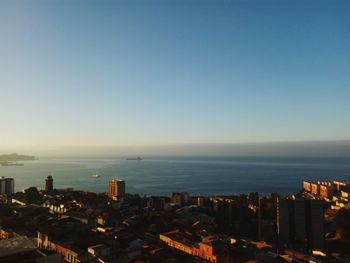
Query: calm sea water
x: 197, y: 175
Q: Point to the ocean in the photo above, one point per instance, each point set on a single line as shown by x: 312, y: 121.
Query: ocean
x: 196, y: 175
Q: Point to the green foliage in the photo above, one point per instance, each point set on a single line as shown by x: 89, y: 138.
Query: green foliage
x: 13, y: 222
x: 40, y: 220
x: 5, y: 211
x: 153, y: 228
x: 32, y: 195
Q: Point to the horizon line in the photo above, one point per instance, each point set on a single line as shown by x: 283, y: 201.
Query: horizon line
x: 179, y: 144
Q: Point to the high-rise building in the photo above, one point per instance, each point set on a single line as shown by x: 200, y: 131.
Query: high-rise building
x: 327, y: 190
x: 315, y: 188
x: 202, y: 201
x: 229, y: 212
x: 307, y: 186
x: 158, y: 203
x: 116, y: 189
x: 49, y: 184
x: 300, y: 222
x: 180, y: 198
x: 7, y: 185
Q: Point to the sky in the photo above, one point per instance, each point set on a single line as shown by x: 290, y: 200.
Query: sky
x: 114, y: 73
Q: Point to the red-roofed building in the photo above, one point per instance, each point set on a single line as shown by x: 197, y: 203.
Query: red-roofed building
x: 211, y: 248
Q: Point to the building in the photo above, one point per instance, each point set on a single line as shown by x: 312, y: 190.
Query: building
x: 45, y: 243
x: 116, y: 189
x: 100, y: 252
x: 345, y: 196
x: 180, y: 199
x: 326, y: 190
x: 209, y: 248
x: 49, y: 184
x: 69, y: 238
x: 315, y: 188
x: 341, y: 186
x: 55, y: 206
x: 343, y: 201
x: 7, y: 185
x: 300, y: 222
x: 231, y: 212
x: 202, y: 201
x: 307, y: 186
x: 158, y: 203
x: 17, y: 249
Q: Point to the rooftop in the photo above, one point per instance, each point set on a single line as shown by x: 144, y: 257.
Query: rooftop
x: 184, y: 238
x: 16, y: 245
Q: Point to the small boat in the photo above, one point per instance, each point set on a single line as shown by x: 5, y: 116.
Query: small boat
x: 96, y: 175
x: 134, y: 159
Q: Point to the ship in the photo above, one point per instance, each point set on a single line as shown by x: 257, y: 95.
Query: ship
x: 134, y: 159
x: 96, y: 175
x: 11, y: 164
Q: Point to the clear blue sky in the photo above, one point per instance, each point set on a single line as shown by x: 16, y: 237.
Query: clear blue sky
x: 163, y: 72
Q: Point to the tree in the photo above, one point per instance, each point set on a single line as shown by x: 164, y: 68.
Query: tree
x: 5, y: 211
x: 32, y: 195
x: 153, y: 228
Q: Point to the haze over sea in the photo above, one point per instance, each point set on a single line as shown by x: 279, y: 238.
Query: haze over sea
x: 196, y: 174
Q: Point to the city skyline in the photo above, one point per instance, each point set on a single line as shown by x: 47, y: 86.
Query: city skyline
x: 162, y: 131
x: 117, y: 73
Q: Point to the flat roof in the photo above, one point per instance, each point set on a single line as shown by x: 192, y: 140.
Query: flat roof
x: 16, y: 245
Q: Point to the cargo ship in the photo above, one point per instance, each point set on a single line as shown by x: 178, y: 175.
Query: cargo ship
x: 11, y: 164
x: 134, y: 159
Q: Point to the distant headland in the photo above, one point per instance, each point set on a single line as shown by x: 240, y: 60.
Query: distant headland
x: 12, y: 159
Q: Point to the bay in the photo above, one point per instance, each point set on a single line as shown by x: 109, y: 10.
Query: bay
x: 197, y: 175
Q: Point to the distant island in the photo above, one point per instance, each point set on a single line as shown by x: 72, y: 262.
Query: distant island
x: 12, y: 159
